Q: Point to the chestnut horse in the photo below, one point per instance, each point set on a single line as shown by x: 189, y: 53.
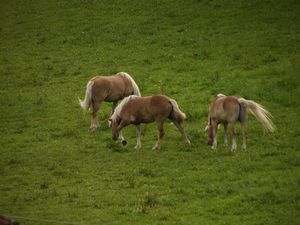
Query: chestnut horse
x: 136, y: 110
x: 228, y: 110
x: 108, y: 89
x: 4, y: 220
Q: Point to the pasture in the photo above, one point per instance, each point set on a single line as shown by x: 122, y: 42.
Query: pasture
x: 54, y: 170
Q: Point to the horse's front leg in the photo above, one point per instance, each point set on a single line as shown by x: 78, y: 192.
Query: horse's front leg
x: 119, y: 132
x: 114, y: 105
x: 214, y: 125
x: 138, y: 137
x: 161, y: 134
x: 122, y: 139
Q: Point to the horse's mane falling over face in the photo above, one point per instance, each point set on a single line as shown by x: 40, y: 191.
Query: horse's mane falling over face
x: 119, y: 108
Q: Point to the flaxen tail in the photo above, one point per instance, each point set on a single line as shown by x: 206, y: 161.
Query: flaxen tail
x: 177, y: 113
x: 85, y: 104
x: 260, y: 113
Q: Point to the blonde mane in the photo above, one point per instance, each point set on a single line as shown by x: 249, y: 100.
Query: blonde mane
x: 119, y: 108
x: 220, y: 95
x: 136, y: 89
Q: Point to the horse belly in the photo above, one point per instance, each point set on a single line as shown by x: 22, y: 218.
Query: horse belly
x: 143, y: 119
x: 112, y: 98
x: 114, y: 94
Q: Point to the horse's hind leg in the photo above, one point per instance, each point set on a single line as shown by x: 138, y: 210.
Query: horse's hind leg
x: 94, y: 122
x: 160, y: 127
x: 181, y: 130
x: 225, y: 134
x: 233, y: 133
x: 138, y: 137
x: 244, y: 134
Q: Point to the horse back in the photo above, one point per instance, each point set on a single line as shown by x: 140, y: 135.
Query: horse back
x: 147, y: 109
x: 225, y: 109
x: 111, y: 88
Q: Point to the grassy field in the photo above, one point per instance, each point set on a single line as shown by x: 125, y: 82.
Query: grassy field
x: 54, y: 170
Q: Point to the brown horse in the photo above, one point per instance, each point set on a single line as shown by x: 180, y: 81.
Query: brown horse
x: 230, y: 109
x: 108, y: 89
x: 136, y: 110
x: 4, y: 220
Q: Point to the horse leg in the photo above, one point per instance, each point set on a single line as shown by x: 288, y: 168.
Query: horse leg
x: 114, y: 105
x: 214, y: 125
x: 119, y: 128
x: 122, y: 139
x: 233, y: 133
x: 138, y: 137
x: 244, y: 134
x: 181, y: 130
x: 94, y: 122
x: 225, y: 134
x: 160, y: 128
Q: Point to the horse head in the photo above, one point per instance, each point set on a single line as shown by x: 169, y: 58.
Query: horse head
x: 209, y: 128
x: 114, y: 125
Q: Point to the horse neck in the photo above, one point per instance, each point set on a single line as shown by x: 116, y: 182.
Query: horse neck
x: 119, y: 108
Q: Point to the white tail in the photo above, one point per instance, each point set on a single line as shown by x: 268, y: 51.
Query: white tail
x: 178, y: 114
x: 260, y: 113
x: 136, y: 89
x: 85, y: 104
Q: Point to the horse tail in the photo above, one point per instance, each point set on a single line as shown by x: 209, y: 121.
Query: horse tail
x: 136, y: 90
x: 85, y: 104
x: 177, y: 113
x: 208, y: 123
x: 260, y: 113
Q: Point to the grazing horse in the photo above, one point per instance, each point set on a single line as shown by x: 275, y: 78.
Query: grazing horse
x: 230, y: 109
x: 136, y: 110
x: 108, y: 89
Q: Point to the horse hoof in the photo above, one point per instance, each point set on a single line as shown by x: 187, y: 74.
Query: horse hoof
x: 124, y: 142
x: 188, y: 142
x: 94, y: 128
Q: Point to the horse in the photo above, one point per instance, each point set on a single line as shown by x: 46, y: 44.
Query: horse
x: 108, y: 89
x: 228, y: 110
x: 136, y: 110
x: 4, y: 220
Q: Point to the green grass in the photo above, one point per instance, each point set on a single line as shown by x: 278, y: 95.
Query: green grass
x: 53, y: 168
